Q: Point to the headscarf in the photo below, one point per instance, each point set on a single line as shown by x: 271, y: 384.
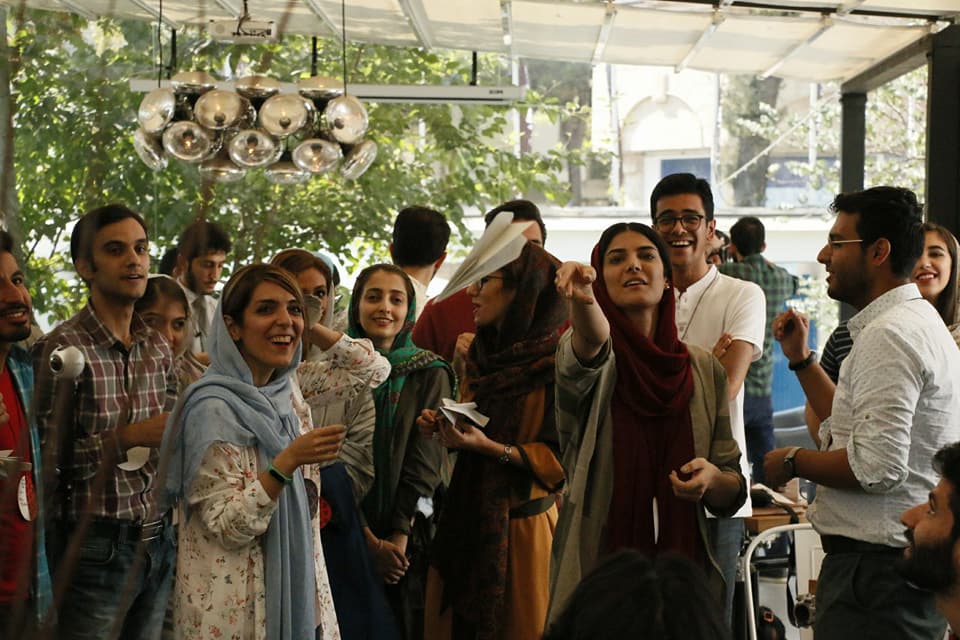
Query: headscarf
x: 405, y: 358
x: 503, y: 367
x: 652, y: 431
x: 224, y: 405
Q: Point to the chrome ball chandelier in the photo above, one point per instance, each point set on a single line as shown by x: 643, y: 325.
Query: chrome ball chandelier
x: 290, y: 136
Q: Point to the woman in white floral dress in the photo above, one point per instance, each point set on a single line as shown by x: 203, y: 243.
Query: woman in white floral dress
x: 250, y: 565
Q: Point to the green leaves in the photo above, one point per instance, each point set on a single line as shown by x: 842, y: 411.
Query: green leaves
x: 75, y: 118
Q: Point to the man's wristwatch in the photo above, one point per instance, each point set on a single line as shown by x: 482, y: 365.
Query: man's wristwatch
x: 803, y: 364
x: 788, y: 462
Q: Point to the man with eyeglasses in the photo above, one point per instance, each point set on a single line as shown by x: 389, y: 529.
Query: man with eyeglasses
x: 715, y: 312
x: 895, y: 405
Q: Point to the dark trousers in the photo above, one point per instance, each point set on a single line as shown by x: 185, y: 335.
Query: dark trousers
x: 861, y: 595
x: 758, y: 424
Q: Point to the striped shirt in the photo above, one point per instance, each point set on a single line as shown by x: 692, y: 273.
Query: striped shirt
x: 117, y: 385
x: 835, y: 351
x: 778, y: 286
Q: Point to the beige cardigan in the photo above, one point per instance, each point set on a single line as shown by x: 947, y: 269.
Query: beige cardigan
x: 584, y: 394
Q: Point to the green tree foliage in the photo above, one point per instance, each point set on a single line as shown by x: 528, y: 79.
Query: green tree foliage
x: 75, y: 116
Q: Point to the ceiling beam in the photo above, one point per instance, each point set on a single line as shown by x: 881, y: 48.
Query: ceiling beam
x: 848, y: 7
x: 78, y: 9
x: 324, y: 17
x: 701, y: 41
x: 893, y: 66
x: 825, y: 24
x: 609, y: 17
x: 417, y: 17
x: 143, y: 4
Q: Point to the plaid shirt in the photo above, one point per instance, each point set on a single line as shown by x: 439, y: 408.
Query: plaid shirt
x: 117, y: 385
x: 778, y: 286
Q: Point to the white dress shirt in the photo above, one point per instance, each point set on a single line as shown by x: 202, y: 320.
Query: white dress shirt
x: 896, y: 404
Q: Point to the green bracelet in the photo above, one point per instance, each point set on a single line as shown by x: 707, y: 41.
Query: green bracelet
x: 278, y: 475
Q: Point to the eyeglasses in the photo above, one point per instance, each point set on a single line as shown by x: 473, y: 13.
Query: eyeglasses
x: 834, y: 243
x: 482, y: 281
x: 690, y: 222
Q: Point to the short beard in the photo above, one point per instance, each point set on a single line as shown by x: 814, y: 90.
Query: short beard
x: 189, y: 279
x: 21, y: 333
x: 930, y: 567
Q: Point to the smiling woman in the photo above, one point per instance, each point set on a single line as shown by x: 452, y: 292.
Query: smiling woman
x: 937, y: 272
x: 250, y: 562
x: 407, y: 466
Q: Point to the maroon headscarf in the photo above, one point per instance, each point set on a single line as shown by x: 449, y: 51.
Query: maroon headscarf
x: 652, y: 432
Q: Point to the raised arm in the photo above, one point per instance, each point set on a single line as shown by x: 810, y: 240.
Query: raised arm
x: 591, y: 329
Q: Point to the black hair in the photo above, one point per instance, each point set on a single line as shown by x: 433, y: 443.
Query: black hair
x: 748, y: 235
x: 202, y: 237
x: 86, y: 228
x: 677, y: 184
x: 946, y: 462
x: 613, y: 231
x: 6, y: 241
x: 168, y: 261
x: 887, y: 212
x: 158, y: 286
x: 420, y: 237
x: 521, y: 210
x: 631, y: 596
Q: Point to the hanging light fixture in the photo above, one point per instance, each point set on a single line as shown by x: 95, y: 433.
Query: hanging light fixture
x: 227, y: 132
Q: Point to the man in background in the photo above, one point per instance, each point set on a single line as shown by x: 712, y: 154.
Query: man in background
x: 747, y: 244
x: 419, y: 247
x: 201, y: 255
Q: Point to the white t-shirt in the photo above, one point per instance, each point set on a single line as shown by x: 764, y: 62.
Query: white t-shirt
x: 420, y: 291
x: 717, y: 304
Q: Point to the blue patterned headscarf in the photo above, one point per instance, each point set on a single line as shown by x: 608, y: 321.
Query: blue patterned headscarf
x: 224, y: 405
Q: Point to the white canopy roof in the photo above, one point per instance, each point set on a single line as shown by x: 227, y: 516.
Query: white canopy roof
x: 817, y: 40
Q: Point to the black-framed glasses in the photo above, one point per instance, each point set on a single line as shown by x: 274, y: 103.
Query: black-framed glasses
x: 482, y: 281
x: 690, y: 222
x: 836, y: 244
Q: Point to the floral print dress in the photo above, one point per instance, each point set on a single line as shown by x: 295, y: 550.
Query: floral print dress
x: 220, y: 590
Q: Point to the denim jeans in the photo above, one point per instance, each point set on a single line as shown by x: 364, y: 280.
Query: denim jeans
x: 115, y: 594
x: 726, y: 536
x: 758, y: 425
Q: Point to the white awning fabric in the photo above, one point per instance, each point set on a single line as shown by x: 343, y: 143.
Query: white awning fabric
x: 816, y: 40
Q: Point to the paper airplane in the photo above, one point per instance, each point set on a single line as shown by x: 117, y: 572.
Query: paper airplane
x: 468, y: 410
x: 500, y: 244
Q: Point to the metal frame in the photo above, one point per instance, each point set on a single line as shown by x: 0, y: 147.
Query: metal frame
x: 718, y: 19
x: 142, y: 4
x: 609, y: 17
x: 825, y: 23
x: 417, y: 17
x: 324, y: 18
x: 745, y: 560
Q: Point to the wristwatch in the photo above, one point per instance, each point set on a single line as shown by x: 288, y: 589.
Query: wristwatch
x: 803, y: 364
x: 505, y: 458
x: 788, y: 462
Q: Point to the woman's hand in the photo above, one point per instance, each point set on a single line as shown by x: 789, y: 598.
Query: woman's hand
x: 703, y: 476
x: 429, y: 424
x: 460, y: 351
x: 316, y: 446
x: 574, y: 282
x: 462, y: 436
x: 389, y: 558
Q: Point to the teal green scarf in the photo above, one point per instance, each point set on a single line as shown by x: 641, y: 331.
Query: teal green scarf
x: 405, y: 358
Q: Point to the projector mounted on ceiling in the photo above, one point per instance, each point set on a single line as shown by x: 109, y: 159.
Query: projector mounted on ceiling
x: 244, y: 31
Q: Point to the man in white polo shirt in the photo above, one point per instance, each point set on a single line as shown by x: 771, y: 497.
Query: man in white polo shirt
x: 896, y: 404
x: 716, y: 312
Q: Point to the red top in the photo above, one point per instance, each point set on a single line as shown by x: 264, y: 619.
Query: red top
x: 16, y: 532
x: 441, y: 323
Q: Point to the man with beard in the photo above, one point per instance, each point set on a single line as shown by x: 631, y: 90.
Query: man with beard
x: 25, y: 590
x: 201, y: 254
x: 895, y: 405
x: 932, y: 561
x: 108, y: 442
